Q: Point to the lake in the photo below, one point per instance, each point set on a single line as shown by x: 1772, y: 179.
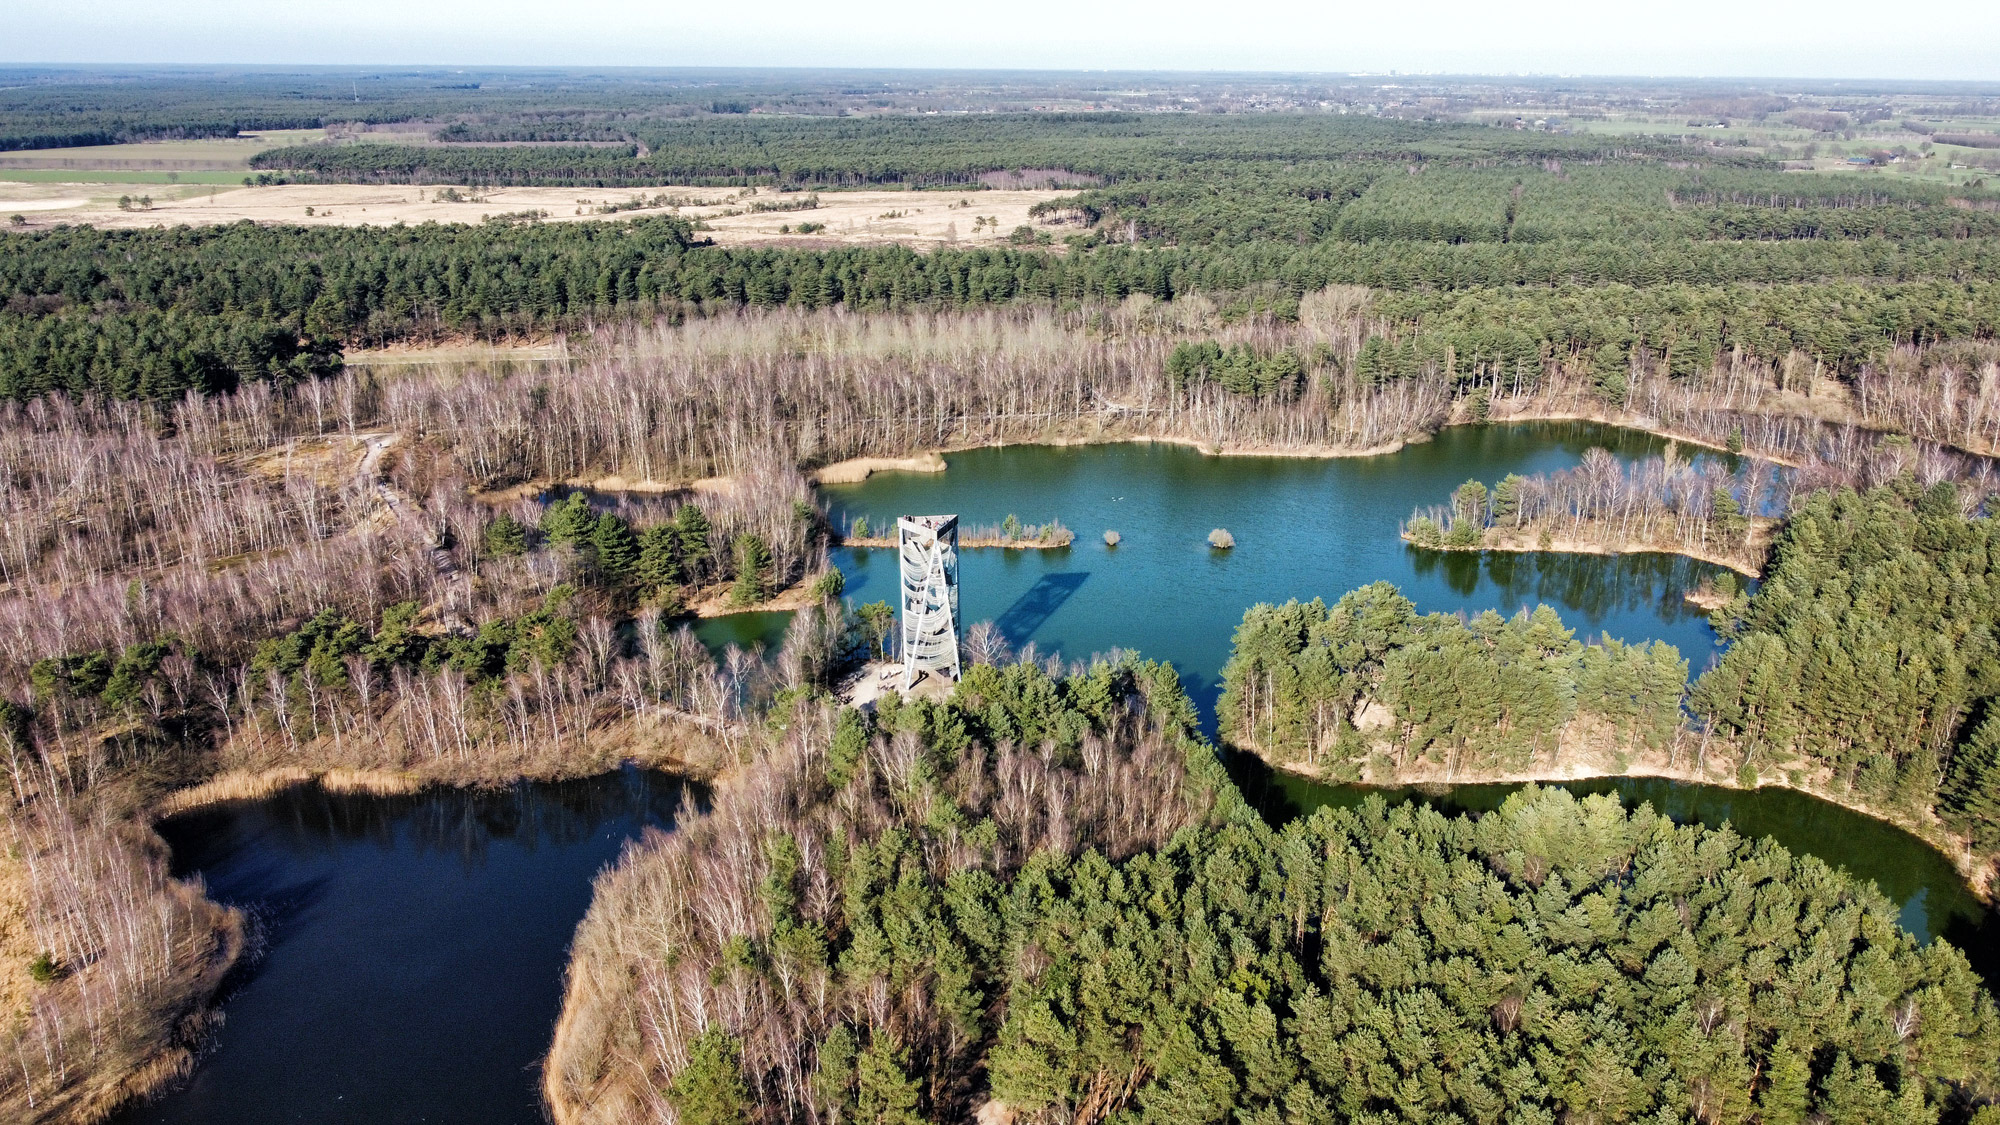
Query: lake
x: 413, y: 946
x: 1304, y: 528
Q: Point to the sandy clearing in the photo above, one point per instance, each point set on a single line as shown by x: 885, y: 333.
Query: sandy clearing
x: 911, y: 218
x: 44, y: 204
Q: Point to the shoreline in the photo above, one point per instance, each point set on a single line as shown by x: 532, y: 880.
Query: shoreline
x: 173, y: 1060
x: 1980, y: 879
x: 1564, y: 546
x: 713, y: 601
x: 1640, y: 423
x: 235, y: 785
x: 613, y: 747
x: 854, y: 470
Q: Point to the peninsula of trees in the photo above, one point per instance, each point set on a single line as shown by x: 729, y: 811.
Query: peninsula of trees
x: 1043, y: 898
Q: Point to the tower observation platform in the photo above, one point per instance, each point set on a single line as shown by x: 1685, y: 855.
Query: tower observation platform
x: 928, y: 549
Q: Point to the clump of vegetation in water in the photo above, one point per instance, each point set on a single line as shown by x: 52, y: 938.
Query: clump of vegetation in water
x: 1659, y: 504
x: 1012, y: 531
x: 1221, y: 540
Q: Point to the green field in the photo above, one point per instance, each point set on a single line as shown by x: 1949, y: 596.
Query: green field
x: 114, y: 176
x: 211, y: 161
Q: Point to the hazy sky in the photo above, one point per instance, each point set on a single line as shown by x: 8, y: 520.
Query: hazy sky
x: 1923, y: 39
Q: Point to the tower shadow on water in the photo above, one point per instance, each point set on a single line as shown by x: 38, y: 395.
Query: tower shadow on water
x: 1033, y: 609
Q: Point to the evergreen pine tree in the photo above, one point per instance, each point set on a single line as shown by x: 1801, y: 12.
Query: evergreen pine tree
x: 1507, y: 499
x: 1972, y: 788
x: 659, y: 564
x: 1729, y: 521
x: 710, y: 1089
x: 833, y: 1079
x: 397, y: 641
x: 691, y: 525
x: 506, y: 537
x: 617, y: 550
x: 569, y: 520
x: 884, y: 1093
x: 753, y: 571
x: 1787, y: 1098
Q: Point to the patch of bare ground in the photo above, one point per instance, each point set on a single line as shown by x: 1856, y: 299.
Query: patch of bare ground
x: 17, y: 942
x: 866, y: 684
x: 854, y: 470
x: 330, y: 462
x: 731, y: 218
x: 613, y: 483
x: 460, y: 352
x: 716, y: 601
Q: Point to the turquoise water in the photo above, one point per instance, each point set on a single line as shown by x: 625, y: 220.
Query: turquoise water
x: 1304, y: 528
x: 414, y: 945
x: 1318, y: 528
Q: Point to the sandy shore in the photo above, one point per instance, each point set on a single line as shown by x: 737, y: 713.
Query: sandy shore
x: 854, y: 470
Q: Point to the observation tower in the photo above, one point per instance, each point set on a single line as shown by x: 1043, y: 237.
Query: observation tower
x: 928, y: 548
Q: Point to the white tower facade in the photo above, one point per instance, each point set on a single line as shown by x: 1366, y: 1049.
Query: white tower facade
x: 928, y: 548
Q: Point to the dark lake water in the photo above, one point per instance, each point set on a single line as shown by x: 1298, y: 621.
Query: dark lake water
x: 1933, y: 899
x: 414, y: 946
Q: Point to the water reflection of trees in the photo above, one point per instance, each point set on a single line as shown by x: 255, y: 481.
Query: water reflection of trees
x: 466, y: 821
x: 1595, y: 586
x: 1920, y: 880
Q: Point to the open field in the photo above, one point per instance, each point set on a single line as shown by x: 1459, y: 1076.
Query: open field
x: 215, y: 154
x: 65, y: 176
x: 912, y: 218
x: 1794, y: 138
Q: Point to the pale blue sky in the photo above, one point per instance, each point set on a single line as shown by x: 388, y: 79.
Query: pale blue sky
x: 1919, y: 39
